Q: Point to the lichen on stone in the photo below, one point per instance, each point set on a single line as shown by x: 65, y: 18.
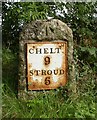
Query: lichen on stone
x: 43, y: 30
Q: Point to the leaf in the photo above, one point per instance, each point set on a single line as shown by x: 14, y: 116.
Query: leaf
x: 92, y: 51
x: 83, y: 49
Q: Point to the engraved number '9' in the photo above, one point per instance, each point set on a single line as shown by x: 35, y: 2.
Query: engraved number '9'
x: 46, y: 60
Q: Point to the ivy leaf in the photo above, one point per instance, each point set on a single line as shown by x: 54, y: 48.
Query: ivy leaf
x: 83, y: 49
x: 92, y: 51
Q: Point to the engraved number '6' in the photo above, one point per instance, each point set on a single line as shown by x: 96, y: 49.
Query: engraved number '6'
x: 47, y: 80
x: 47, y: 60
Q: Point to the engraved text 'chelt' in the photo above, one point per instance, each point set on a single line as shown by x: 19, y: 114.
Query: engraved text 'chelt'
x: 46, y: 65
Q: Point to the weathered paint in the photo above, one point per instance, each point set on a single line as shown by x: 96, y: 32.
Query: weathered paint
x: 46, y: 65
x: 37, y: 31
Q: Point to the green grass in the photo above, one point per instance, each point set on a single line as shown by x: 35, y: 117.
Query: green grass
x: 10, y: 69
x: 53, y: 104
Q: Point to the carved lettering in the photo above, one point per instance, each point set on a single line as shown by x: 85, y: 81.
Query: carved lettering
x: 47, y: 80
x: 38, y: 50
x: 47, y: 72
x: 31, y: 51
x: 61, y: 72
x: 43, y: 72
x: 46, y: 60
x: 44, y: 50
x: 31, y: 72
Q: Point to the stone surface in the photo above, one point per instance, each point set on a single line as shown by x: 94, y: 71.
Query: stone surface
x: 46, y: 30
x: 39, y: 31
